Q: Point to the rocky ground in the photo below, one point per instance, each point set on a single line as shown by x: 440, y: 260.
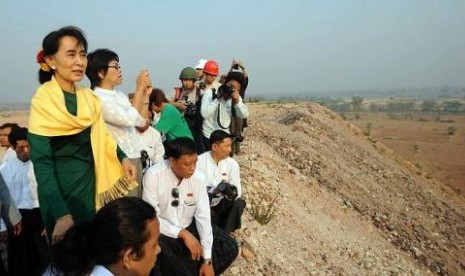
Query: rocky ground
x: 342, y: 203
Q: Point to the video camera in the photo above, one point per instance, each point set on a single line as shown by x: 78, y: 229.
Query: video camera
x: 225, y: 91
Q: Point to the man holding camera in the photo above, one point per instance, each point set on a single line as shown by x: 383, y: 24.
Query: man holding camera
x: 223, y: 182
x: 187, y: 99
x: 176, y: 189
x: 220, y: 110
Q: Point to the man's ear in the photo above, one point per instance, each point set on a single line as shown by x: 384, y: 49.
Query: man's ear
x: 127, y: 258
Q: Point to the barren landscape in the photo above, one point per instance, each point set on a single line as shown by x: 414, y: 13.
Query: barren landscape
x: 341, y: 203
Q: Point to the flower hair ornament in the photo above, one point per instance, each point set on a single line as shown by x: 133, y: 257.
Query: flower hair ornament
x: 41, y: 61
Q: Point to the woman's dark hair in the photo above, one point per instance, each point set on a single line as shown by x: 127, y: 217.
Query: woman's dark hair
x: 17, y: 134
x: 119, y: 225
x: 98, y: 61
x: 179, y: 146
x: 157, y: 97
x: 51, y: 43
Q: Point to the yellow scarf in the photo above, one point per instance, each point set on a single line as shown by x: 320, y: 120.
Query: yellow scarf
x: 49, y: 117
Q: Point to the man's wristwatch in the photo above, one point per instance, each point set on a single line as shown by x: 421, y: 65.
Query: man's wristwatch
x: 207, y: 261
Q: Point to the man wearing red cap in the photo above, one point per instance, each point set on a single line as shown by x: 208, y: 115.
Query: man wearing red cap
x: 211, y: 71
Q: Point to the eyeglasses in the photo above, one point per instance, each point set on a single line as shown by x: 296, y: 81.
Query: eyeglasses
x: 116, y: 66
x: 175, y: 194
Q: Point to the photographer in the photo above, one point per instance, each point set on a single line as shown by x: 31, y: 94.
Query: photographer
x: 223, y: 182
x: 187, y: 99
x: 220, y: 110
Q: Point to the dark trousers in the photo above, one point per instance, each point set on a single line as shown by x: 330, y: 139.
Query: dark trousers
x: 175, y: 257
x: 227, y: 214
x: 28, y: 252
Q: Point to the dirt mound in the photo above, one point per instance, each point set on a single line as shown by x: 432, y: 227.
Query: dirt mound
x: 343, y: 205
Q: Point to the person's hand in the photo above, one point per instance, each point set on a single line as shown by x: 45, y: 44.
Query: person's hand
x: 206, y: 270
x: 235, y: 96
x: 62, y: 226
x: 148, y: 90
x: 181, y: 106
x: 17, y: 228
x: 143, y: 81
x: 192, y: 244
x: 130, y: 171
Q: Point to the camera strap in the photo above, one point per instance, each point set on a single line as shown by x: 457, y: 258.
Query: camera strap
x: 218, y: 117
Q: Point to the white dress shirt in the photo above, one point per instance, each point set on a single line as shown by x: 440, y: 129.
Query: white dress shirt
x: 153, y: 144
x: 21, y: 182
x: 10, y: 153
x: 121, y: 119
x: 159, y: 180
x: 100, y: 270
x: 227, y: 170
x: 210, y: 109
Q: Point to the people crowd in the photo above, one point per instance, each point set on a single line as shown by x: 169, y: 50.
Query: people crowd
x: 104, y: 182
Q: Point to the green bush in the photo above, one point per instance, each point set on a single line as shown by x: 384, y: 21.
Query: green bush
x: 263, y: 214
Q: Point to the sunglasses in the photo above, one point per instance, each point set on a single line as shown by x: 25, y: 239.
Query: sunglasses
x: 175, y: 194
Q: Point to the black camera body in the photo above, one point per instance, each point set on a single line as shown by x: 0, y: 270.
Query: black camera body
x: 191, y: 109
x: 144, y: 158
x: 225, y: 91
x: 227, y: 189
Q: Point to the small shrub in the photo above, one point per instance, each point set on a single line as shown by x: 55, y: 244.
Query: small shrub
x: 451, y: 130
x: 264, y: 214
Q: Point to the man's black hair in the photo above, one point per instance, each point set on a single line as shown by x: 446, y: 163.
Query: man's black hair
x: 234, y: 75
x: 180, y: 146
x: 17, y: 134
x: 218, y: 136
x: 9, y: 125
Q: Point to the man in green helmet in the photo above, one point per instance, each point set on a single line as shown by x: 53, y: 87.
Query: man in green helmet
x: 187, y: 99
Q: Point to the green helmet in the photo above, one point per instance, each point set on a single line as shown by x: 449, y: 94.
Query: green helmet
x: 188, y: 73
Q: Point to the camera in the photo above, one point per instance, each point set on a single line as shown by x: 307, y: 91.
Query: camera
x: 225, y: 91
x: 191, y: 109
x: 227, y: 189
x: 144, y: 158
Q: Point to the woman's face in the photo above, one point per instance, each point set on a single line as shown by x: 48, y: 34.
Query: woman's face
x: 114, y: 75
x: 151, y: 249
x: 70, y: 62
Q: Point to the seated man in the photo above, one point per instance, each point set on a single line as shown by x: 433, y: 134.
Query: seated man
x: 190, y: 244
x: 223, y: 182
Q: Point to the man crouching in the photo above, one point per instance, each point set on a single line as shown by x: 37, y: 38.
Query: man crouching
x: 176, y: 189
x: 223, y: 182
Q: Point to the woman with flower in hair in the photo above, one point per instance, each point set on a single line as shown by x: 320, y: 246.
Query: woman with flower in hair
x: 77, y: 164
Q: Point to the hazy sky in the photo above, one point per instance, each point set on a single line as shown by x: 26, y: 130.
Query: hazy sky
x: 287, y: 46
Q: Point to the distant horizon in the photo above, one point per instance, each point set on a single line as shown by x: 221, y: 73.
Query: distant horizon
x: 332, y: 93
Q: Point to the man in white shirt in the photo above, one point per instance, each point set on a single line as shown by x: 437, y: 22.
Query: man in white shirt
x: 223, y: 182
x: 30, y: 247
x: 5, y: 130
x: 220, y: 110
x: 176, y: 189
x: 121, y: 118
